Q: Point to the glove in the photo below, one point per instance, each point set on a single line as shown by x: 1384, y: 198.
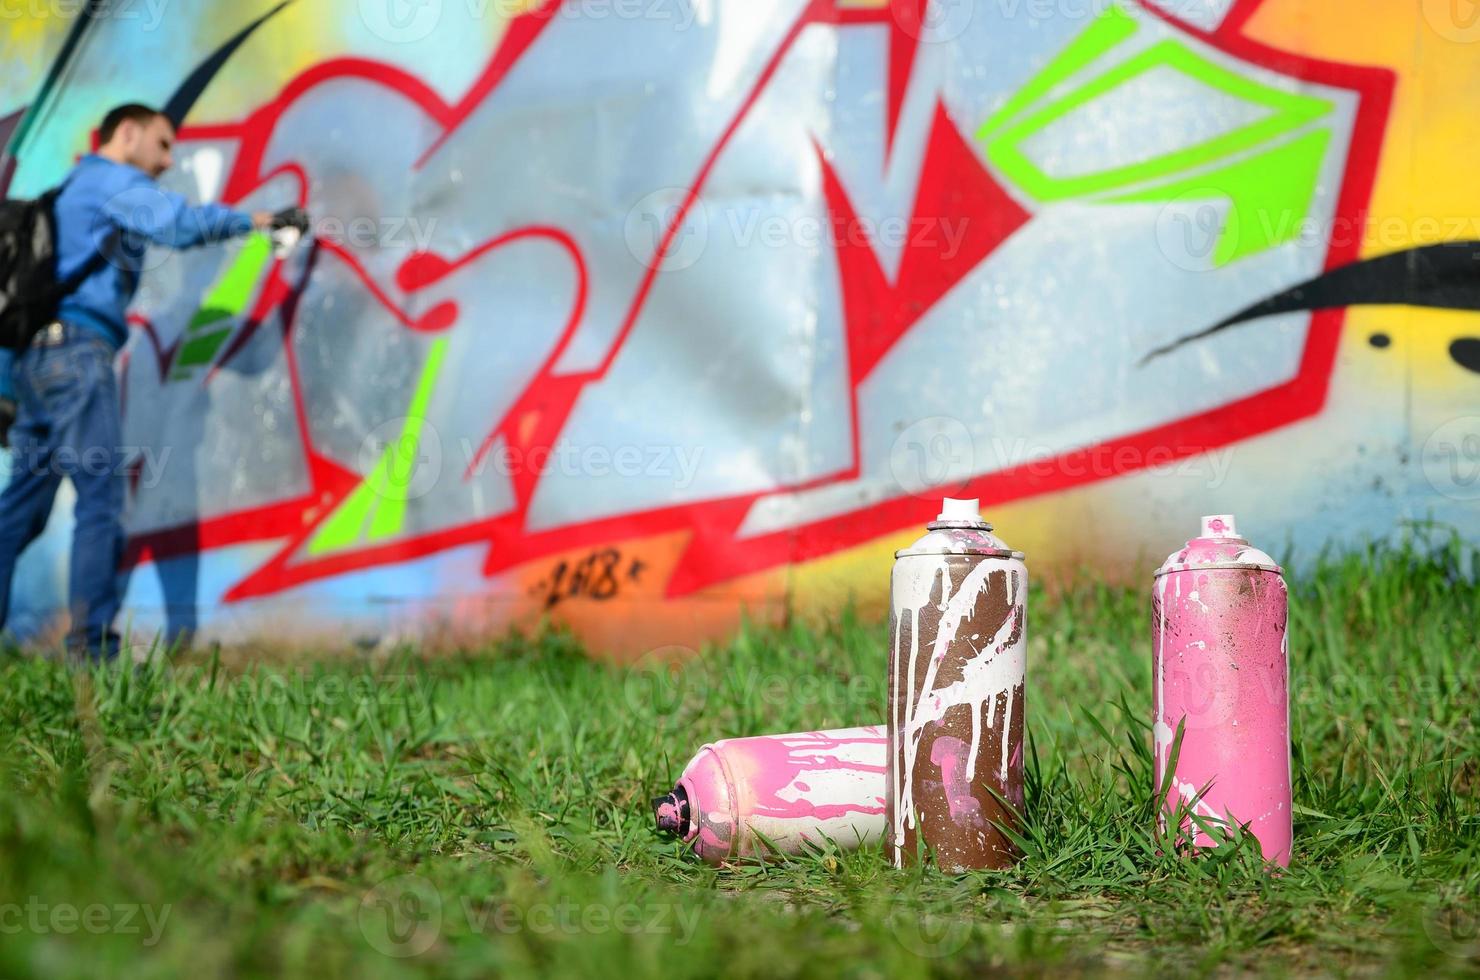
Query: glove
x: 295, y: 218
x: 7, y: 419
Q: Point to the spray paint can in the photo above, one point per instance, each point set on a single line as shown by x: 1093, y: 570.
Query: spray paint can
x: 1220, y: 670
x: 790, y: 789
x: 957, y: 666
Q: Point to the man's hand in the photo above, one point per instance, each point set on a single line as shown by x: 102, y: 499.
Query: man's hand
x: 270, y: 221
x: 295, y: 218
x: 7, y: 419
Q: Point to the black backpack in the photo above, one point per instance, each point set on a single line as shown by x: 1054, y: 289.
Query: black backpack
x: 29, y: 289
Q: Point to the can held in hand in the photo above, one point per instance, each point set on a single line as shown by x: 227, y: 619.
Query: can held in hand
x: 742, y: 797
x: 1220, y: 671
x: 957, y: 668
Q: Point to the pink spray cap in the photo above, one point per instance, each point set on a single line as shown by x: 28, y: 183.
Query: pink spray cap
x: 1220, y: 526
x: 1218, y: 546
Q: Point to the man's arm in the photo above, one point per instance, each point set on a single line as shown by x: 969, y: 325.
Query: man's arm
x: 168, y: 219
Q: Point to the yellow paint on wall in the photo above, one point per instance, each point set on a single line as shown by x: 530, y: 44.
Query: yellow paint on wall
x: 30, y: 42
x: 1425, y: 190
x: 302, y: 36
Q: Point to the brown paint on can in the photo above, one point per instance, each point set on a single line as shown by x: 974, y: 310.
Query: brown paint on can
x: 956, y: 700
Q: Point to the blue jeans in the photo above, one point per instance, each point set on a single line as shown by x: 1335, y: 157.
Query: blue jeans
x: 69, y: 426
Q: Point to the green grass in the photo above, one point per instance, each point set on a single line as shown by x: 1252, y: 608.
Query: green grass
x: 491, y: 809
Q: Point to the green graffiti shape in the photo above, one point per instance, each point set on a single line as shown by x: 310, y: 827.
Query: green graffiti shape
x: 229, y: 298
x: 1270, y: 190
x: 381, y: 499
x: 1106, y: 32
x: 1288, y: 111
x: 1270, y: 195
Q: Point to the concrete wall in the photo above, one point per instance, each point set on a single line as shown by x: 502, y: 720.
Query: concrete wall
x: 641, y: 312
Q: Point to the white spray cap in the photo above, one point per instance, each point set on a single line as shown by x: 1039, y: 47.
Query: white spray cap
x: 1219, y: 526
x: 968, y: 511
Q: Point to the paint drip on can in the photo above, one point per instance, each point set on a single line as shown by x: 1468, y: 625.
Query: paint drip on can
x: 1220, y: 669
x: 957, y: 667
x: 738, y: 794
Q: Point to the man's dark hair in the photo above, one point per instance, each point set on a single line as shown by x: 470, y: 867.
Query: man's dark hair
x: 142, y: 114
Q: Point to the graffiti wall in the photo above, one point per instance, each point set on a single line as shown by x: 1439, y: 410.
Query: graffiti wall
x: 647, y: 314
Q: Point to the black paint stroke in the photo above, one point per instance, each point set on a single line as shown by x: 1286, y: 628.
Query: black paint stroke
x: 59, y: 65
x: 1444, y: 276
x: 190, y: 90
x: 1466, y: 353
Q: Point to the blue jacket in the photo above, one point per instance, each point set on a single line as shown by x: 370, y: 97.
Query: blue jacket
x: 119, y: 208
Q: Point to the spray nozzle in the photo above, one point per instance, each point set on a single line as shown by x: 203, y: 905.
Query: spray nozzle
x: 1219, y: 526
x: 672, y: 813
x: 960, y: 511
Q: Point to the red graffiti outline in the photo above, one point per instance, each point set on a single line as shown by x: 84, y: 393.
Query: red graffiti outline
x: 715, y: 553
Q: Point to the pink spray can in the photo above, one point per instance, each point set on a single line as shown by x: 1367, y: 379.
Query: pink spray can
x: 790, y: 789
x: 1220, y: 669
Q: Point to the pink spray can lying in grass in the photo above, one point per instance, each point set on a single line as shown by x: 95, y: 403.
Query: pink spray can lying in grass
x: 1220, y: 670
x: 788, y: 789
